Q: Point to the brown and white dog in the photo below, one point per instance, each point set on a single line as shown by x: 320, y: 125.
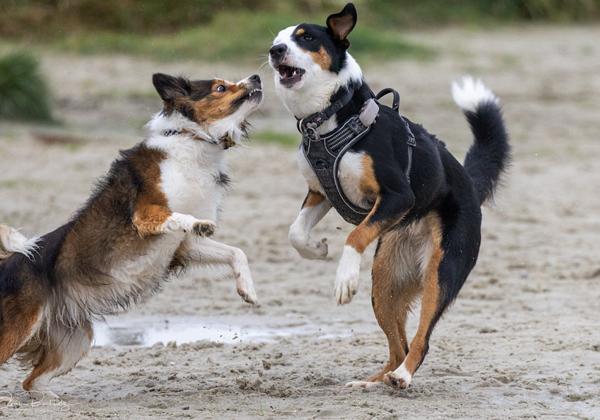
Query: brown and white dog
x: 151, y: 215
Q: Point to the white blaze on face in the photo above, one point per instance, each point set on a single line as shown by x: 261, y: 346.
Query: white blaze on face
x: 313, y: 92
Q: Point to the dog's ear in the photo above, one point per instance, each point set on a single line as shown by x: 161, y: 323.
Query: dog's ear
x: 341, y: 24
x: 169, y: 88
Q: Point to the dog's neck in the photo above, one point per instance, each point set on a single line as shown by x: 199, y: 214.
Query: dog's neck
x: 318, y: 92
x: 165, y: 125
x: 361, y: 94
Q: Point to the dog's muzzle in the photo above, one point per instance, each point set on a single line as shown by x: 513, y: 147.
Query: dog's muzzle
x: 277, y: 53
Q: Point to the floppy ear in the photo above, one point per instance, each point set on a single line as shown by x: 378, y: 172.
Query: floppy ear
x: 341, y: 24
x: 169, y: 88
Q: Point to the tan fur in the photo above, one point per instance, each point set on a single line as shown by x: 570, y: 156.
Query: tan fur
x: 399, y: 276
x: 322, y: 58
x: 4, y: 232
x: 368, y: 183
x: 48, y: 361
x: 312, y: 199
x: 366, y: 232
x: 300, y: 32
x: 24, y: 310
x: 151, y: 207
x: 429, y: 303
x: 218, y: 105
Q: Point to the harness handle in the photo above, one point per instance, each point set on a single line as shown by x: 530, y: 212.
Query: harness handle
x: 395, y: 99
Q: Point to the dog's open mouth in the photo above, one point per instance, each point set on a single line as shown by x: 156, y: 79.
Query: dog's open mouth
x: 254, y: 94
x: 289, y: 76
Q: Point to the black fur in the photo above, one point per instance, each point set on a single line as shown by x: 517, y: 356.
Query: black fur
x: 490, y: 153
x: 316, y: 37
x: 222, y: 179
x: 439, y: 185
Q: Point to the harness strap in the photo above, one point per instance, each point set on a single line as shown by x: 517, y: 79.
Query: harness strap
x: 314, y: 121
x: 395, y: 100
x: 325, y: 152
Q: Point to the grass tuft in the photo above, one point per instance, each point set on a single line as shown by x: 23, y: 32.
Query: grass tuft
x: 24, y: 94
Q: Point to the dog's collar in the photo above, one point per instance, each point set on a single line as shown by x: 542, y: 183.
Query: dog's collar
x: 226, y: 140
x: 314, y: 121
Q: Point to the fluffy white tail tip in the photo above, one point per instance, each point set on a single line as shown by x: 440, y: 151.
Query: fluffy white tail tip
x: 469, y: 93
x: 11, y: 240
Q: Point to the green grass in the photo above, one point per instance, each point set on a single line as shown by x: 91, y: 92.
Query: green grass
x: 277, y: 137
x: 24, y: 94
x: 231, y: 37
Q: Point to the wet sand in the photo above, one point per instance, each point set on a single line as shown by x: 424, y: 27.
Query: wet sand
x: 522, y: 339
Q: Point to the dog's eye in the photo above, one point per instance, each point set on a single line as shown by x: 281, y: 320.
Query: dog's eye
x: 221, y: 88
x: 307, y: 37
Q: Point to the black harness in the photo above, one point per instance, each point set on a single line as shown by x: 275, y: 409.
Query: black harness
x: 324, y: 152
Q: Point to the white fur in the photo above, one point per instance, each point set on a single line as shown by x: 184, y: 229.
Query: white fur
x: 72, y: 345
x: 362, y: 384
x: 207, y: 251
x: 14, y: 241
x: 189, y: 171
x: 346, y: 280
x: 188, y: 180
x: 184, y: 223
x: 299, y: 234
x: 402, y: 375
x: 469, y: 93
x: 350, y: 173
x: 312, y: 94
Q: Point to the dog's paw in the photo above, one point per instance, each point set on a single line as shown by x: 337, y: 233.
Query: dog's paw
x: 346, y: 285
x: 400, y: 378
x: 362, y: 384
x: 204, y: 228
x: 243, y: 279
x: 43, y: 395
x: 248, y: 294
x: 316, y: 250
x: 346, y: 280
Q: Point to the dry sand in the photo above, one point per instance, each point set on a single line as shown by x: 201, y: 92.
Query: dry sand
x: 522, y: 339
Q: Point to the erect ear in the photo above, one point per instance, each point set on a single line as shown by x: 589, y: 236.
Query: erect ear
x: 341, y: 24
x: 169, y: 88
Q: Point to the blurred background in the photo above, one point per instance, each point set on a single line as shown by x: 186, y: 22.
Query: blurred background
x: 224, y: 31
x: 522, y: 339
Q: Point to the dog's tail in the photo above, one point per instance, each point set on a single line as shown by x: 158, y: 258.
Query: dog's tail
x: 489, y: 155
x: 12, y: 241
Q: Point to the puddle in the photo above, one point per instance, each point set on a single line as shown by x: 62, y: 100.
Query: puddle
x: 147, y: 331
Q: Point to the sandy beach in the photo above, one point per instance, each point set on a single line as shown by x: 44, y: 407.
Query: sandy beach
x: 521, y: 341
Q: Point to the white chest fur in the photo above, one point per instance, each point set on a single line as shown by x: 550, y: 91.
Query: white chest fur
x: 350, y: 172
x: 192, y: 187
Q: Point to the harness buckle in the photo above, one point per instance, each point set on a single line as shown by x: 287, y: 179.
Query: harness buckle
x: 311, y: 131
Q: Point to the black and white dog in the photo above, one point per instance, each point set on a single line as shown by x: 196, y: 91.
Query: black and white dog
x: 423, y: 205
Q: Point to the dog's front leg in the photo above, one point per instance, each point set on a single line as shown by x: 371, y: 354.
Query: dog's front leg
x: 206, y: 251
x: 388, y: 210
x: 314, y: 208
x: 153, y: 219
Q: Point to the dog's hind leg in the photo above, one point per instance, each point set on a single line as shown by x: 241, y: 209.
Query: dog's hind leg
x: 60, y: 349
x: 451, y: 258
x: 20, y: 319
x: 393, y: 292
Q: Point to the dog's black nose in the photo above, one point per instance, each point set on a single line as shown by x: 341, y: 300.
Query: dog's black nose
x: 278, y: 51
x: 255, y: 78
